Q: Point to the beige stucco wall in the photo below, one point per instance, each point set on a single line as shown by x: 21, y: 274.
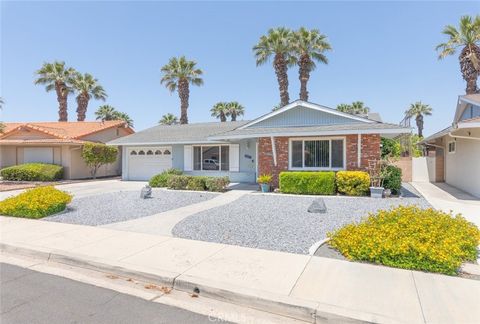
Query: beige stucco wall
x: 7, y: 156
x: 79, y: 170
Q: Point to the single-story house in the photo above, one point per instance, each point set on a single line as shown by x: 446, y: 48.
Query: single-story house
x: 59, y: 143
x: 299, y: 136
x: 456, y: 149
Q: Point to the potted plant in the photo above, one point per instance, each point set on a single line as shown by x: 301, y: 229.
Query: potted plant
x: 264, y: 180
x: 376, y: 171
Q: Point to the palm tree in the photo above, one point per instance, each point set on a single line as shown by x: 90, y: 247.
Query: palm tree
x: 277, y: 43
x: 2, y: 102
x: 467, y: 37
x: 178, y: 74
x: 168, y: 119
x: 356, y: 108
x: 419, y: 110
x: 55, y: 76
x: 235, y: 109
x: 118, y: 115
x: 220, y: 110
x: 309, y: 46
x: 105, y: 112
x: 2, y: 125
x: 86, y: 87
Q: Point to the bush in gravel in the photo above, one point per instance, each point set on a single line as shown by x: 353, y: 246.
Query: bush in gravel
x: 36, y: 203
x: 197, y: 183
x: 32, y: 172
x: 178, y: 182
x: 393, y: 178
x: 160, y: 180
x: 309, y: 183
x: 411, y: 238
x: 353, y: 183
x: 217, y: 184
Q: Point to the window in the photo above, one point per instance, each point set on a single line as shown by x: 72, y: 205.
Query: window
x: 451, y: 147
x: 166, y: 152
x: 149, y: 152
x: 133, y: 153
x: 158, y: 152
x: 211, y: 158
x: 471, y: 112
x: 325, y: 153
x: 141, y: 153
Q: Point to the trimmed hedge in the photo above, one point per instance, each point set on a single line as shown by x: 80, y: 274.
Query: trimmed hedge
x: 393, y: 180
x: 36, y: 203
x: 197, y: 183
x: 309, y: 183
x: 161, y: 180
x: 353, y: 183
x: 217, y: 184
x: 411, y: 238
x: 32, y: 172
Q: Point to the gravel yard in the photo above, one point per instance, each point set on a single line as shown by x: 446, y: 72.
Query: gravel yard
x: 124, y: 205
x: 280, y: 222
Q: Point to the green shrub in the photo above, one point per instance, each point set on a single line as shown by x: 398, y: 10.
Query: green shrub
x: 393, y: 178
x: 197, y: 183
x: 32, y: 172
x: 178, y: 182
x: 390, y: 148
x: 217, y: 184
x: 160, y: 180
x: 411, y: 238
x: 97, y: 154
x: 353, y: 183
x: 35, y: 203
x: 311, y: 183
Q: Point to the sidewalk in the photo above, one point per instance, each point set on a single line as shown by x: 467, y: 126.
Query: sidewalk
x: 303, y: 287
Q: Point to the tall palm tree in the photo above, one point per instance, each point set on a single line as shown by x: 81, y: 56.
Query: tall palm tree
x: 277, y: 43
x: 178, y: 74
x: 418, y: 110
x: 220, y: 111
x: 168, y: 119
x: 118, y: 115
x: 2, y: 125
x: 55, y: 76
x: 467, y: 37
x: 2, y: 102
x: 235, y: 109
x: 308, y: 46
x: 86, y: 87
x: 356, y: 108
x: 105, y: 112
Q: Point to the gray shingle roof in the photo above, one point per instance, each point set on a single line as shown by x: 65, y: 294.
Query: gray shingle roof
x: 171, y: 134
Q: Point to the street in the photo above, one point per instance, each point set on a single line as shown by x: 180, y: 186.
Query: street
x: 32, y: 297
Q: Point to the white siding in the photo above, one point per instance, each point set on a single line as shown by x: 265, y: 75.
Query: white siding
x: 234, y: 157
x: 188, y: 158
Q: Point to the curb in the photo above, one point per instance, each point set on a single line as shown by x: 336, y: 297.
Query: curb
x: 299, y: 309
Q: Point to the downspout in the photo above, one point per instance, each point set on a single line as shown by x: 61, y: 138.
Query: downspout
x: 274, y: 151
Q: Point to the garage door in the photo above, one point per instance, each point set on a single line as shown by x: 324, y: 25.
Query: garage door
x: 38, y: 154
x: 145, y: 162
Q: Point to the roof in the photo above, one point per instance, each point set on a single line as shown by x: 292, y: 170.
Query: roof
x: 41, y: 141
x: 178, y: 134
x: 355, y: 128
x: 65, y: 130
x: 438, y: 134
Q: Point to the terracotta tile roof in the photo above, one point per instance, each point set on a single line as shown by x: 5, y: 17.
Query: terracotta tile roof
x: 65, y: 130
x: 41, y: 141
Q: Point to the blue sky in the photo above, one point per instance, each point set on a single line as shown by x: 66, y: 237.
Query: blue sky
x: 383, y: 54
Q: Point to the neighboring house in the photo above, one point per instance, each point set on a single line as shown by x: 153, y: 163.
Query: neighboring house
x: 59, y: 143
x: 455, y: 150
x: 299, y: 136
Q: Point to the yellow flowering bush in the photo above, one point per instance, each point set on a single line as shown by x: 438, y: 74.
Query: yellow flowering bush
x: 411, y: 238
x: 35, y: 203
x: 353, y: 183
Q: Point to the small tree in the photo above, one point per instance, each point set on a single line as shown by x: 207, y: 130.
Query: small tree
x: 95, y: 155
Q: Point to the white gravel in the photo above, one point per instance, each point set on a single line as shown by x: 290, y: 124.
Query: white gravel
x: 121, y: 206
x: 280, y: 222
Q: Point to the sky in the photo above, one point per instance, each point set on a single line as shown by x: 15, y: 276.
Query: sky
x: 383, y: 54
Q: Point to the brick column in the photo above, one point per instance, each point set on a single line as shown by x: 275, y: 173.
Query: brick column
x: 266, y: 163
x: 370, y: 149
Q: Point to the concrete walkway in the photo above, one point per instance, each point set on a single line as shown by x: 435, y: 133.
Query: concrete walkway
x: 300, y: 286
x: 163, y: 223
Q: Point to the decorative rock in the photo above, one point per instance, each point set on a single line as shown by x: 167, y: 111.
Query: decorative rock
x: 146, y: 192
x: 317, y: 206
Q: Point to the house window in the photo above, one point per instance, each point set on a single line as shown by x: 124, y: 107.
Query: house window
x: 133, y: 153
x: 141, y: 152
x: 166, y: 152
x: 149, y: 152
x: 158, y: 152
x: 324, y: 153
x: 451, y: 147
x: 211, y: 158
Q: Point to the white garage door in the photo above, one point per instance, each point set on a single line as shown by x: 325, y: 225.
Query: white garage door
x: 145, y: 162
x: 38, y: 154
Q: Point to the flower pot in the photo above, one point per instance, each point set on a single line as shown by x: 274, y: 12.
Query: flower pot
x: 376, y: 192
x: 265, y: 187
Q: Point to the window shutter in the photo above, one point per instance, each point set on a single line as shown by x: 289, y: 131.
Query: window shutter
x: 234, y: 157
x: 187, y: 158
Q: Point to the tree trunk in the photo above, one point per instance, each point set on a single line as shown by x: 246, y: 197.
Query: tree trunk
x: 419, y: 121
x: 62, y: 94
x: 233, y: 116
x: 223, y: 118
x: 183, y: 93
x: 82, y: 104
x: 304, y: 75
x: 469, y: 71
x: 281, y: 71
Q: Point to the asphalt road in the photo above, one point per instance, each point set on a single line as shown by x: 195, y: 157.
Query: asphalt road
x: 31, y: 297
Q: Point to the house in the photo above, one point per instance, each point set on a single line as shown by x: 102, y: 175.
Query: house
x: 299, y: 136
x: 455, y: 150
x: 59, y: 143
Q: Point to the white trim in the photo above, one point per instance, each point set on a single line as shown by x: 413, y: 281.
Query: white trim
x: 167, y: 143
x: 454, y: 147
x: 343, y: 138
x: 468, y: 124
x: 359, y: 150
x: 274, y: 150
x: 233, y: 157
x: 306, y: 105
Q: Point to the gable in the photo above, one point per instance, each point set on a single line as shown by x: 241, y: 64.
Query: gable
x: 27, y: 134
x: 300, y: 115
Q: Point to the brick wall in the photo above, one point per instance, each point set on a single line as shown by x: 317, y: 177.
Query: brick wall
x: 370, y: 151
